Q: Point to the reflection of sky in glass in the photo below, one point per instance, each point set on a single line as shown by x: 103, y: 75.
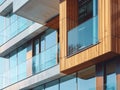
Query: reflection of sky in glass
x: 87, y: 84
x: 50, y: 38
x: 68, y: 83
x: 111, y: 81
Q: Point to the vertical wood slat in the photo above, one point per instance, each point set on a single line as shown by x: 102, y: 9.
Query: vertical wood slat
x: 115, y: 12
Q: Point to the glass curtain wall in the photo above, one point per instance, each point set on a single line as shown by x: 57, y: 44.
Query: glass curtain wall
x: 83, y: 80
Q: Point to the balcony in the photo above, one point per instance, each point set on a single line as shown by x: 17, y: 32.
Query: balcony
x: 39, y: 11
x: 10, y: 31
x: 34, y: 65
x: 83, y: 36
x: 13, y: 27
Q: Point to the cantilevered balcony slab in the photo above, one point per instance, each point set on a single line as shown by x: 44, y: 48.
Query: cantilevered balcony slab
x: 39, y: 11
x: 6, y: 7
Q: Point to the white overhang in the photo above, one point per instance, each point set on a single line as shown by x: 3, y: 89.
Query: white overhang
x: 39, y: 11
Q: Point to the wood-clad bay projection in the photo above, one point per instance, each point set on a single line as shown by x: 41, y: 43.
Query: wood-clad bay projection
x: 96, y: 53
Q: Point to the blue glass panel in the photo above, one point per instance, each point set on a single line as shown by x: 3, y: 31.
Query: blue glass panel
x: 11, y: 26
x: 51, y: 54
x: 13, y: 75
x: 13, y: 18
x: 22, y: 51
x: 35, y: 64
x: 13, y: 30
x: 22, y: 72
x: 90, y: 83
x: 111, y: 82
x: 68, y: 83
x: 13, y: 59
x: 54, y: 85
x: 82, y: 36
x: 13, y: 67
x: 22, y: 62
x: 86, y: 79
x: 44, y: 60
x: 2, y: 24
x: 50, y: 38
x: 111, y: 75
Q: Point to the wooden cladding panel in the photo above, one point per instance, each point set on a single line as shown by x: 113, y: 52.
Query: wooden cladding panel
x: 115, y: 12
x: 72, y: 14
x: 99, y: 77
x: 104, y: 31
x: 54, y: 23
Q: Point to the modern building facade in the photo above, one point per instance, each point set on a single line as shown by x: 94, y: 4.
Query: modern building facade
x: 59, y: 45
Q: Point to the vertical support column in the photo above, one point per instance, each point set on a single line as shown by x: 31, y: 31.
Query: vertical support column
x: 67, y: 20
x: 99, y: 77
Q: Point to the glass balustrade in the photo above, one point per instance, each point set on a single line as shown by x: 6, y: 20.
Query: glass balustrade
x: 34, y: 65
x: 83, y: 36
x: 11, y: 26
